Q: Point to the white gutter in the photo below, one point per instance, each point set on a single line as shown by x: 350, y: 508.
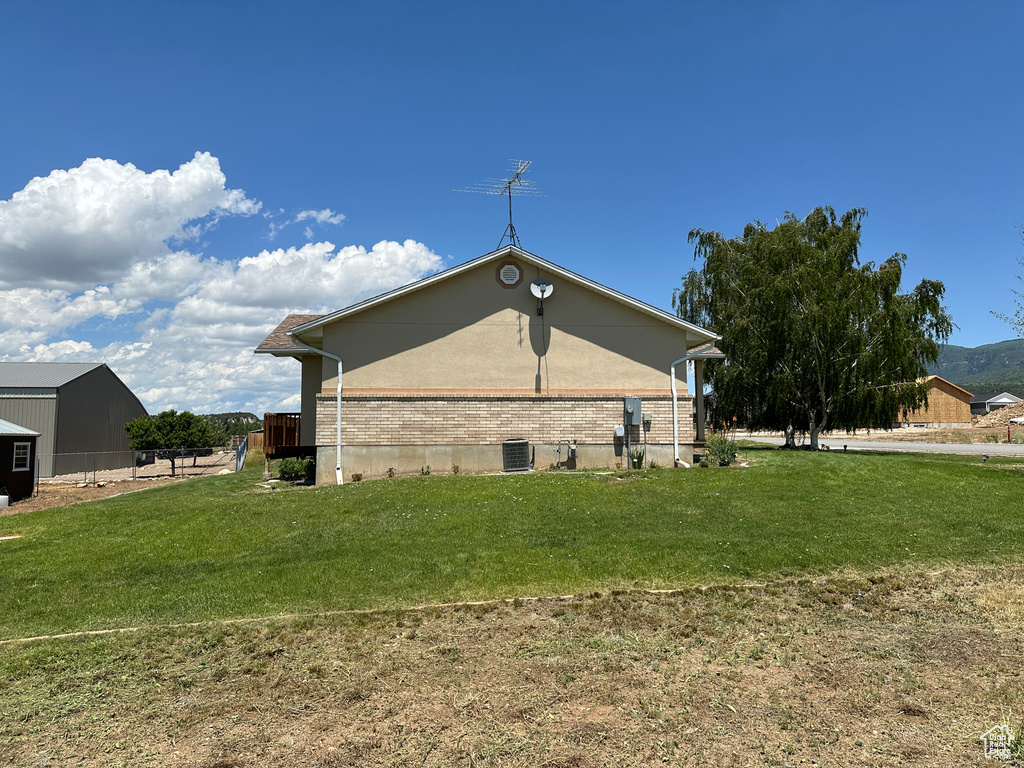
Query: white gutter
x: 700, y: 352
x: 337, y: 470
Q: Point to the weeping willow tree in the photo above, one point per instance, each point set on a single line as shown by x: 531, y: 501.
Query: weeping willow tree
x: 814, y: 340
x: 1017, y: 320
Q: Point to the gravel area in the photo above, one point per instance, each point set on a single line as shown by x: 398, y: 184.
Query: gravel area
x: 73, y: 489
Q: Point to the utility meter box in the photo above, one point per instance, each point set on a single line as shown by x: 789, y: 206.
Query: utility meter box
x: 632, y: 411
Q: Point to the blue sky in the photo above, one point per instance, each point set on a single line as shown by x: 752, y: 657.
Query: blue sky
x: 332, y: 135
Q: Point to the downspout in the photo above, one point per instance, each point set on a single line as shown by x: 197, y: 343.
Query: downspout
x: 675, y: 410
x: 337, y: 470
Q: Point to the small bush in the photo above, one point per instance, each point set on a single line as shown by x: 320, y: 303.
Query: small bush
x: 391, y: 472
x: 636, y: 458
x: 455, y: 469
x: 357, y: 476
x: 296, y: 469
x: 425, y: 470
x: 719, y: 451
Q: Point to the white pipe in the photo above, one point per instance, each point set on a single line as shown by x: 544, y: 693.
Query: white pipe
x: 675, y: 411
x: 339, y: 478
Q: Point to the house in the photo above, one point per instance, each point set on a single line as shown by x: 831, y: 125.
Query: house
x: 78, y: 409
x: 992, y: 402
x: 948, y: 406
x: 17, y: 461
x: 445, y: 371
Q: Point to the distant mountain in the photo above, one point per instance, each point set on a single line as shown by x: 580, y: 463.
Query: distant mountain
x: 985, y: 369
x: 236, y: 422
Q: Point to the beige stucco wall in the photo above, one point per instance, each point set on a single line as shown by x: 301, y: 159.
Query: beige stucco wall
x: 312, y: 376
x: 470, y: 334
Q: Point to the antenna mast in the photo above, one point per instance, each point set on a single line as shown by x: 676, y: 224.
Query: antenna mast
x: 515, y: 185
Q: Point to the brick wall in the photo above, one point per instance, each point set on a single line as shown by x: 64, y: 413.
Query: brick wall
x: 489, y: 419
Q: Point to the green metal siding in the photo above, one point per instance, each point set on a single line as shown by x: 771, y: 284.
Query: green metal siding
x: 36, y: 410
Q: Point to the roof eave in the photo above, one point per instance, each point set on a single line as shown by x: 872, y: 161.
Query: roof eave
x: 298, y: 352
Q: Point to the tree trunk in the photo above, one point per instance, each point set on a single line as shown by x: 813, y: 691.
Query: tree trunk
x: 790, y: 437
x: 814, y: 430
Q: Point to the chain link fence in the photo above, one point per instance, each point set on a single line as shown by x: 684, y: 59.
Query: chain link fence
x: 92, y: 467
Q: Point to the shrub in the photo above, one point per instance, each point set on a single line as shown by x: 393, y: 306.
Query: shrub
x: 357, y: 476
x: 296, y: 469
x: 455, y: 469
x: 636, y: 458
x: 719, y: 451
x: 425, y: 470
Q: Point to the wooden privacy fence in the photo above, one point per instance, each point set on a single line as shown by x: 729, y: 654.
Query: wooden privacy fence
x: 281, y: 436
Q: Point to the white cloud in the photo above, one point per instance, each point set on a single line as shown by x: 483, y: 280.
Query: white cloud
x: 325, y: 216
x: 86, y: 226
x: 317, y: 276
x: 194, y: 320
x: 30, y: 316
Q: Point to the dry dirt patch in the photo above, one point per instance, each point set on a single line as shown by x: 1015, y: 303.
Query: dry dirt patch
x: 860, y: 670
x: 72, y: 489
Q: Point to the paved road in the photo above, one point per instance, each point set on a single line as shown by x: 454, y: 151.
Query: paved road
x: 970, y: 449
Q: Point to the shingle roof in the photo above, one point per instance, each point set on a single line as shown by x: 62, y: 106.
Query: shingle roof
x: 8, y: 429
x: 706, y: 350
x: 42, y: 375
x: 280, y: 341
x: 989, y: 396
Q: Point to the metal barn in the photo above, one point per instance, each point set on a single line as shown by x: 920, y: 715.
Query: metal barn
x: 78, y: 409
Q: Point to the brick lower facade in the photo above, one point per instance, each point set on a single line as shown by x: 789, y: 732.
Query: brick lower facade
x: 407, y: 432
x: 368, y: 420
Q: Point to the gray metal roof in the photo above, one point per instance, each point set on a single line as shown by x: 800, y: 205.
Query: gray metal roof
x: 9, y: 429
x: 42, y: 375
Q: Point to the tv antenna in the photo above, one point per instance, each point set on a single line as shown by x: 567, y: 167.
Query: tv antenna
x: 510, y: 187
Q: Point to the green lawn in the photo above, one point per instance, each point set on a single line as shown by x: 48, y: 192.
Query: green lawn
x: 223, y: 547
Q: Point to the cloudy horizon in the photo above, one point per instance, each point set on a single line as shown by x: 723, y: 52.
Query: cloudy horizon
x: 106, y: 262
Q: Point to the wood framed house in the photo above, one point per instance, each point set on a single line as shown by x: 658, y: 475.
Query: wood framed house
x: 508, y: 346
x: 948, y: 406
